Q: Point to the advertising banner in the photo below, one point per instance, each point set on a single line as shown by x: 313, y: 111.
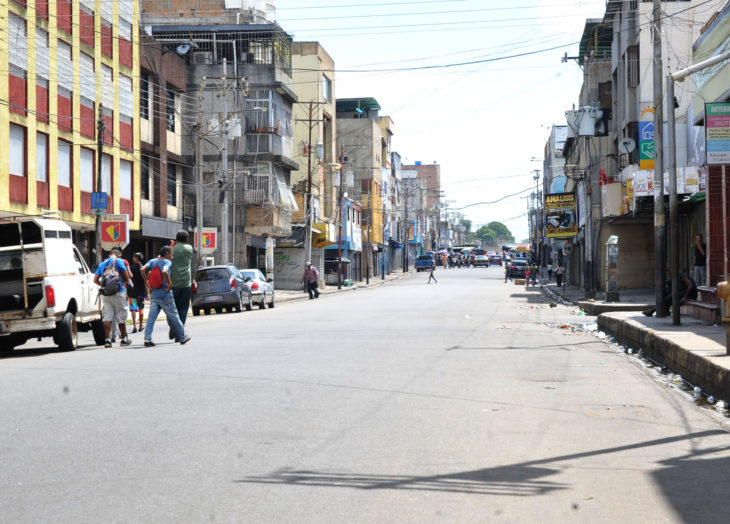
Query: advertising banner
x: 209, y: 241
x: 560, y: 215
x: 646, y: 135
x: 114, y: 231
x: 717, y: 133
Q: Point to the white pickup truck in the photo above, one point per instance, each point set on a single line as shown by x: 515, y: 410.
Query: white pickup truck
x: 46, y: 288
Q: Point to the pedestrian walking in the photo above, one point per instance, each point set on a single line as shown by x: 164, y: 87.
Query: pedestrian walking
x: 181, y: 277
x: 111, y: 276
x: 699, y: 268
x: 550, y: 271
x: 430, y: 274
x: 506, y: 271
x: 559, y: 274
x: 138, y: 292
x: 311, y: 280
x: 533, y: 273
x: 527, y: 276
x: 156, y: 273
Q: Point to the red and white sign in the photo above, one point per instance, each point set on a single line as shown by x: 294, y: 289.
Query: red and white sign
x: 209, y: 240
x: 114, y: 231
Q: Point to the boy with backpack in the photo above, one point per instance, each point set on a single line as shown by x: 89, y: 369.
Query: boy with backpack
x: 156, y: 273
x: 110, y: 276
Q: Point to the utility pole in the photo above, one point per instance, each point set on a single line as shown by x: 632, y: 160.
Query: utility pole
x: 407, y: 232
x: 308, y: 205
x: 369, y: 212
x: 224, y: 128
x: 199, y: 167
x: 100, y: 128
x: 660, y: 239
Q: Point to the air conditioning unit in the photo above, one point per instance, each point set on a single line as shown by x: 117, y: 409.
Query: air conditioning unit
x: 623, y: 160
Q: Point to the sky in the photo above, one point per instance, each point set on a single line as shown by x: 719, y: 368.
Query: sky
x: 473, y: 85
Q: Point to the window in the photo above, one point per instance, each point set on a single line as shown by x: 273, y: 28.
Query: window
x: 64, y: 68
x: 88, y: 80
x: 87, y: 170
x: 18, y: 48
x: 41, y: 157
x: 144, y: 97
x: 42, y: 68
x: 326, y: 88
x: 106, y: 174
x: 126, y: 98
x: 107, y: 86
x: 145, y: 178
x: 171, y: 184
x: 170, y: 110
x: 125, y: 179
x: 64, y: 163
x: 17, y: 150
x: 632, y: 67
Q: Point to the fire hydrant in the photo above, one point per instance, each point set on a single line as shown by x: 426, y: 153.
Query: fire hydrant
x: 723, y: 291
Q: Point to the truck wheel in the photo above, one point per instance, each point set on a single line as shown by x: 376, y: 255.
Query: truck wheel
x: 97, y: 328
x: 66, y: 332
x: 196, y: 311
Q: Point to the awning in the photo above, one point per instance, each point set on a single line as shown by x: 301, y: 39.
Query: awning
x: 394, y: 244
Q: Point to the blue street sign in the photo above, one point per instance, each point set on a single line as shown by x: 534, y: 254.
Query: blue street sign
x: 98, y: 200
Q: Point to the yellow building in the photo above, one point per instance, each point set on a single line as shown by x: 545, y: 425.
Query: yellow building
x: 66, y: 60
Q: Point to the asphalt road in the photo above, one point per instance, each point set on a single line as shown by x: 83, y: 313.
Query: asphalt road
x: 451, y: 402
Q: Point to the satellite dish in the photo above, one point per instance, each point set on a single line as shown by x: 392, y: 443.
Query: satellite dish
x: 182, y: 49
x: 626, y: 145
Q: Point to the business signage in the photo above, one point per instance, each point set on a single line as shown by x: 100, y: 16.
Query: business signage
x: 690, y: 179
x: 717, y: 133
x: 114, y: 231
x: 560, y: 215
x: 646, y: 135
x: 209, y: 240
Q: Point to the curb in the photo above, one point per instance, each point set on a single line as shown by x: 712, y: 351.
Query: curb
x: 374, y: 282
x: 696, y: 369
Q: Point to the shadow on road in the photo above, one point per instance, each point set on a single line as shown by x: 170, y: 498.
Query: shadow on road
x: 529, y: 478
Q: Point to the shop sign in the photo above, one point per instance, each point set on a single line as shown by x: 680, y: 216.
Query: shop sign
x: 717, y: 133
x: 560, y: 215
x: 114, y: 231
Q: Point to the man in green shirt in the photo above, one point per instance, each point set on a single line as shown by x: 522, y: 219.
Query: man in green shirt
x: 182, y: 283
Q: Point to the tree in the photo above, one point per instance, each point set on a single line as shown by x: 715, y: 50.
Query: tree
x: 494, y: 233
x: 501, y: 231
x: 467, y: 224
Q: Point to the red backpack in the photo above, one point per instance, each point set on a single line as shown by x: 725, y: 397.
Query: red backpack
x: 154, y: 278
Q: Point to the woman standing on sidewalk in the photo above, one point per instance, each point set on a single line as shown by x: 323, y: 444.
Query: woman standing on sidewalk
x: 559, y: 274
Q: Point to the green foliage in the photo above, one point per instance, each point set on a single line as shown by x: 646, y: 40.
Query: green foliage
x: 494, y: 233
x: 467, y: 224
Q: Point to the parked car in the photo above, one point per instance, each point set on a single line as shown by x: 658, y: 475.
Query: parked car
x: 260, y: 287
x: 517, y: 267
x: 218, y: 287
x: 495, y: 260
x: 46, y: 288
x: 424, y: 262
x: 481, y: 261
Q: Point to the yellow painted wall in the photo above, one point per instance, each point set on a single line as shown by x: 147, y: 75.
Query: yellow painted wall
x: 32, y: 126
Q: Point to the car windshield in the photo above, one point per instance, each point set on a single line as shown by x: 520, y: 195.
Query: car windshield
x: 519, y: 263
x: 212, y: 274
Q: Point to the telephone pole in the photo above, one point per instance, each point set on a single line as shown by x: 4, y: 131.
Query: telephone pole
x: 100, y: 128
x: 660, y: 240
x: 199, y: 167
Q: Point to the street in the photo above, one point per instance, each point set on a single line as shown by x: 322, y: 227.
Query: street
x: 459, y: 401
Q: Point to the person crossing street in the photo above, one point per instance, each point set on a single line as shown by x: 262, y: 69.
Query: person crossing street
x: 310, y: 279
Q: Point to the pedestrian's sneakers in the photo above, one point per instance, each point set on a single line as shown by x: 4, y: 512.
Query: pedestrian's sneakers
x: 124, y: 342
x: 171, y: 334
x: 107, y: 343
x: 185, y: 340
x: 149, y: 344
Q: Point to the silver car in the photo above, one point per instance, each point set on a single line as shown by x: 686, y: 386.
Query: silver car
x: 219, y: 287
x: 261, y: 289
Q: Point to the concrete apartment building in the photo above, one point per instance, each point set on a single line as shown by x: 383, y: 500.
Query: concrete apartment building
x: 70, y: 66
x: 237, y: 119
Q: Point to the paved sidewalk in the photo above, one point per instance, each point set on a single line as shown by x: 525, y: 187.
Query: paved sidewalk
x: 694, y: 349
